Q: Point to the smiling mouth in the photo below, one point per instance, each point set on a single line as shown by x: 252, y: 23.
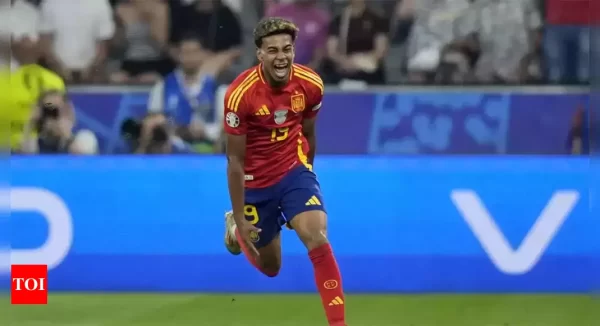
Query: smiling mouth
x: 281, y: 69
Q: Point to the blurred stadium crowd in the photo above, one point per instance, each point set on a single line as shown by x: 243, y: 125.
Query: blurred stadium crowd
x: 352, y: 43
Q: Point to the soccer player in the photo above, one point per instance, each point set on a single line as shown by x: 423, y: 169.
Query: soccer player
x: 270, y: 113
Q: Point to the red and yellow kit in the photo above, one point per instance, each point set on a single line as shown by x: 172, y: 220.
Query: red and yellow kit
x: 271, y: 118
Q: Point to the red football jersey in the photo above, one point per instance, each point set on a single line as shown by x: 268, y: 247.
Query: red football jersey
x: 271, y: 119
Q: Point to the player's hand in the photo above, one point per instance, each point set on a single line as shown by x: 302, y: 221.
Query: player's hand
x: 248, y: 232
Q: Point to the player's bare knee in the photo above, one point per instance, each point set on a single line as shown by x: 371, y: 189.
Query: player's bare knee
x: 270, y: 268
x: 314, y: 240
x: 311, y: 228
x: 269, y: 260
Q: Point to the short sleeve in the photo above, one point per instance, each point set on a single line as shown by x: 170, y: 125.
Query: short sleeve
x: 53, y: 82
x: 105, y: 28
x: 313, y: 110
x: 314, y: 100
x: 235, y: 112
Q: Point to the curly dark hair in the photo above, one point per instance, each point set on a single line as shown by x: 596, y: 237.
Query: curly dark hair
x: 271, y: 26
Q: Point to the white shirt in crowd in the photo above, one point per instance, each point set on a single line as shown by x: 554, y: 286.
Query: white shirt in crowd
x: 76, y: 27
x: 21, y: 20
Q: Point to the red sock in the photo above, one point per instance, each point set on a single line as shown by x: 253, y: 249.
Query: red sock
x: 329, y: 284
x: 250, y: 256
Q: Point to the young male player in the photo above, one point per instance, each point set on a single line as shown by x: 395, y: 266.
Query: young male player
x: 270, y: 113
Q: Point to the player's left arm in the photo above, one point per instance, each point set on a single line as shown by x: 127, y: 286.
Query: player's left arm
x: 309, y: 121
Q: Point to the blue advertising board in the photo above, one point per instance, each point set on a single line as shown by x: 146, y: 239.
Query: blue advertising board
x: 468, y: 121
x: 487, y: 224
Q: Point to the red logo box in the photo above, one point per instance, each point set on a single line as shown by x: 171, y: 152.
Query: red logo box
x: 29, y: 284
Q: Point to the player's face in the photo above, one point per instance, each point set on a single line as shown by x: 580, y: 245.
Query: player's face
x: 277, y: 56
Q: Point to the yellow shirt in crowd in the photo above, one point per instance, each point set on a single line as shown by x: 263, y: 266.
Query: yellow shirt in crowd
x: 20, y: 90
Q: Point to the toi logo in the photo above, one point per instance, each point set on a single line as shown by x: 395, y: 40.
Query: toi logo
x: 29, y: 284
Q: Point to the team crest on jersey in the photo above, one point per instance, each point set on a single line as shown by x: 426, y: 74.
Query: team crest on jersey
x: 280, y: 116
x: 298, y: 103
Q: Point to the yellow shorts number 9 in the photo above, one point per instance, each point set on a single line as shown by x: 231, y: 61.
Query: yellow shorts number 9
x: 251, y: 214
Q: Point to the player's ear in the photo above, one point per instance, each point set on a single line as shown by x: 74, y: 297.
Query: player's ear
x: 259, y: 55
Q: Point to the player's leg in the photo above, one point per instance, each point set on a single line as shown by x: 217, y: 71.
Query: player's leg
x: 264, y: 216
x: 304, y: 207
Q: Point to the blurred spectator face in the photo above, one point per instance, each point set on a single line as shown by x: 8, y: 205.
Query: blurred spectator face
x: 191, y: 55
x: 26, y: 50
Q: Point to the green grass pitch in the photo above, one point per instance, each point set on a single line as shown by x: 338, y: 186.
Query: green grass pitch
x: 303, y: 310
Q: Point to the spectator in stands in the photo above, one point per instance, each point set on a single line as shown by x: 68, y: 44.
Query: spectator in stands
x: 357, y: 44
x: 531, y: 68
x: 187, y: 97
x: 75, y: 37
x: 313, y: 22
x: 214, y: 24
x: 50, y: 129
x: 402, y: 21
x: 154, y: 135
x: 454, y: 67
x: 567, y: 39
x: 143, y: 33
x: 22, y: 20
x: 435, y: 26
x: 507, y: 32
x: 28, y: 80
x: 19, y: 42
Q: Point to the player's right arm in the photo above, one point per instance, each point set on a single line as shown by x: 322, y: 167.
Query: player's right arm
x: 236, y: 153
x: 235, y: 126
x: 235, y: 141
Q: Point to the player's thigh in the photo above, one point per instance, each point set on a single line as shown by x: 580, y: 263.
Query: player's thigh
x: 265, y: 215
x: 311, y: 228
x: 304, y: 208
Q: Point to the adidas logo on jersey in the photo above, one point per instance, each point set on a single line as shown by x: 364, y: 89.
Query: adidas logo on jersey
x: 263, y: 111
x: 337, y: 301
x: 313, y: 201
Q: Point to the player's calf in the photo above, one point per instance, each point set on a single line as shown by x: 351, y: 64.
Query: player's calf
x: 269, y: 260
x: 311, y: 227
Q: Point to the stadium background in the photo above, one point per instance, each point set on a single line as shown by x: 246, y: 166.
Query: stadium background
x: 405, y: 172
